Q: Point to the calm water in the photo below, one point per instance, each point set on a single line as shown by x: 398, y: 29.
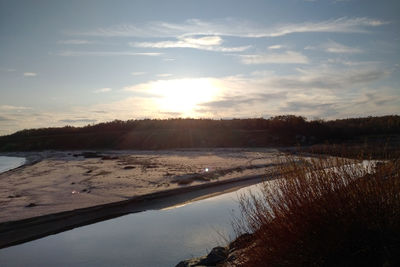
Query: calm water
x: 150, y: 238
x: 8, y: 163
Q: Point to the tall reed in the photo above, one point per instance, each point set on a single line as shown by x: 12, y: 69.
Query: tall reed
x: 325, y: 212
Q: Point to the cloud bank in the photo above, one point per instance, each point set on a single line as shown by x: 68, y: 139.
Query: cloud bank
x: 233, y: 27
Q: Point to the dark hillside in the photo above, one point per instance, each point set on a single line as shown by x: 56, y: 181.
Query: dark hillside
x: 284, y: 130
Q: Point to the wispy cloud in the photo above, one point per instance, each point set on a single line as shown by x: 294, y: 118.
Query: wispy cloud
x: 5, y: 119
x: 77, y: 121
x: 351, y: 63
x: 234, y: 27
x: 341, y: 25
x: 328, y: 109
x: 7, y: 70
x: 236, y: 102
x: 138, y: 73
x: 163, y: 75
x: 171, y: 114
x: 12, y: 108
x: 209, y: 43
x: 273, y: 47
x: 74, y: 42
x: 102, y: 90
x: 334, y: 47
x: 106, y: 53
x: 30, y: 74
x: 288, y: 57
x: 203, y: 41
x: 329, y: 78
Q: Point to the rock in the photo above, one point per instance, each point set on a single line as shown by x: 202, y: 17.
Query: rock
x: 90, y: 155
x: 190, y: 263
x: 109, y: 157
x: 216, y: 256
x: 30, y: 205
x: 223, y: 256
x: 129, y: 167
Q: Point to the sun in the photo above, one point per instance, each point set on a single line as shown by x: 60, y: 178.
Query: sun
x: 183, y: 96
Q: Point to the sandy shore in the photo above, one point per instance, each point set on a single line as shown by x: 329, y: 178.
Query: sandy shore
x: 66, y: 181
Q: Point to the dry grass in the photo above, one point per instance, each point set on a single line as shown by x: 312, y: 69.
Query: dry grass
x: 320, y: 216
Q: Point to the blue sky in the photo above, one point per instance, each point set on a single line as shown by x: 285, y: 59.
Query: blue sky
x: 81, y: 62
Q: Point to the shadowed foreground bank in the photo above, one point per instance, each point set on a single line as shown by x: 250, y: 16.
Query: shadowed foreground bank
x: 326, y: 217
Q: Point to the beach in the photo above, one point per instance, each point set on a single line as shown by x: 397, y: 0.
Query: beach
x: 54, y: 182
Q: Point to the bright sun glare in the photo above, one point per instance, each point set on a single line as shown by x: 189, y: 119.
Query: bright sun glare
x: 184, y: 95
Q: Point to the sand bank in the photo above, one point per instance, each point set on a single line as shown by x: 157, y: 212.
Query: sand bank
x: 65, y: 181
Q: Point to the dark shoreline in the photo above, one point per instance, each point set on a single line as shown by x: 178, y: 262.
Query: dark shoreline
x: 21, y: 231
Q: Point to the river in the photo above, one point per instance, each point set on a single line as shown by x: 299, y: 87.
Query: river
x: 149, y: 238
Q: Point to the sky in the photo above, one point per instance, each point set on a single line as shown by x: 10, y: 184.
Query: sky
x: 84, y: 62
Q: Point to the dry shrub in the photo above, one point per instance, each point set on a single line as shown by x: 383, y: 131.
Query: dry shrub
x: 319, y: 215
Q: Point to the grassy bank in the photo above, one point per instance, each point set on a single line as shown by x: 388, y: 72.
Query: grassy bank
x: 318, y: 216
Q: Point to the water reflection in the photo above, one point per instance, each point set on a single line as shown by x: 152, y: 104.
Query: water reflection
x: 151, y: 238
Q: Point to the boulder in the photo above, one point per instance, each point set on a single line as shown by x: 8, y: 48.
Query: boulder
x: 216, y: 256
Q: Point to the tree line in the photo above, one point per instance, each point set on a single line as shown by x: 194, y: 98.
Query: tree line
x: 189, y: 133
